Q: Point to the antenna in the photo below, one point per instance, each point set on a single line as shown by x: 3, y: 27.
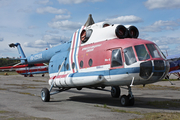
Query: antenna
x: 89, y: 21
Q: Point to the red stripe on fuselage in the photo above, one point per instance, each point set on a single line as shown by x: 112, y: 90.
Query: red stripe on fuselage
x: 62, y: 76
x: 31, y: 70
x: 59, y: 76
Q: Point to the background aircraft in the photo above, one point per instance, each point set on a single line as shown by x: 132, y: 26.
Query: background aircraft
x: 174, y: 61
x: 100, y: 55
x: 28, y: 69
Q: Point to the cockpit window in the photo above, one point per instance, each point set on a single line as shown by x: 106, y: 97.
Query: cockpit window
x: 163, y: 56
x: 129, y: 56
x: 116, y: 59
x: 153, y: 51
x: 142, y: 52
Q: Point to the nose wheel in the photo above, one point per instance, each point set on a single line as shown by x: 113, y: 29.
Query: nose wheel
x: 45, y: 95
x: 127, y: 100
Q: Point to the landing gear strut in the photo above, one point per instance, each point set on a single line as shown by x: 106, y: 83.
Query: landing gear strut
x: 45, y: 93
x: 127, y: 100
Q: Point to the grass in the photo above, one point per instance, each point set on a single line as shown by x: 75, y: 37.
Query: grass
x: 170, y: 80
x: 9, y: 73
x: 25, y: 93
x: 38, y: 81
x: 3, y: 89
x: 165, y: 104
x: 12, y: 115
x: 160, y: 116
x: 117, y: 110
x: 31, y: 86
x: 3, y: 112
x: 28, y: 118
x: 157, y: 87
x: 147, y: 116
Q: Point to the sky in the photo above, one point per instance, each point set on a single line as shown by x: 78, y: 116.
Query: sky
x: 39, y: 24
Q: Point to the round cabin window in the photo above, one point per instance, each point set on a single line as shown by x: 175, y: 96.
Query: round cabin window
x: 59, y: 67
x: 67, y: 66
x: 81, y: 64
x: 73, y: 65
x: 90, y: 62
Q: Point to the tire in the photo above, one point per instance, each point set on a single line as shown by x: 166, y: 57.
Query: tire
x: 124, y: 100
x: 131, y: 102
x: 115, y: 91
x: 45, y: 95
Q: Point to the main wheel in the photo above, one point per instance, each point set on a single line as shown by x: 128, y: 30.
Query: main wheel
x: 124, y: 100
x: 131, y: 100
x: 115, y: 91
x: 45, y: 95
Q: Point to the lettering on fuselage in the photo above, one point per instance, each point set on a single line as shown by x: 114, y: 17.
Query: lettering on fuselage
x: 99, y: 67
x: 107, y: 60
x: 36, y: 57
x: 91, y: 48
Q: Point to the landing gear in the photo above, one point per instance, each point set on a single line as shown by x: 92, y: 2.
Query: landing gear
x: 115, y: 91
x: 45, y: 95
x: 124, y: 101
x: 31, y: 75
x: 127, y: 100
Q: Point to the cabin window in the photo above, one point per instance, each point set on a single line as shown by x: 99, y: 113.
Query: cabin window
x: 81, y: 64
x: 116, y: 59
x: 153, y: 51
x: 67, y: 66
x: 142, y: 52
x: 129, y: 56
x: 90, y: 62
x: 73, y: 65
x: 59, y: 67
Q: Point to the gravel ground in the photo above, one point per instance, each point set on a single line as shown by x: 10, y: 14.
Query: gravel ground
x: 20, y: 99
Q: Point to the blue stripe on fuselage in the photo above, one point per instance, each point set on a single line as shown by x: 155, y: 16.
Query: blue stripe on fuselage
x: 107, y: 72
x: 29, y: 73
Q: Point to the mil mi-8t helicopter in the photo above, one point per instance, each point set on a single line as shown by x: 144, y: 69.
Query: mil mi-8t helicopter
x: 100, y: 55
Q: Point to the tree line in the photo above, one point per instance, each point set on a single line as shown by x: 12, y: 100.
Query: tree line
x: 8, y: 62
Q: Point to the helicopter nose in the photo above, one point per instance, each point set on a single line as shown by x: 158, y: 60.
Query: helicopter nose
x: 154, y: 69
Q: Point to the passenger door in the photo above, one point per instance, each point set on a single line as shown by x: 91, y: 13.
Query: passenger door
x: 116, y: 62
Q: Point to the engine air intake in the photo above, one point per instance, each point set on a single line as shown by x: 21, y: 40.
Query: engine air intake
x: 121, y: 32
x: 133, y: 32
